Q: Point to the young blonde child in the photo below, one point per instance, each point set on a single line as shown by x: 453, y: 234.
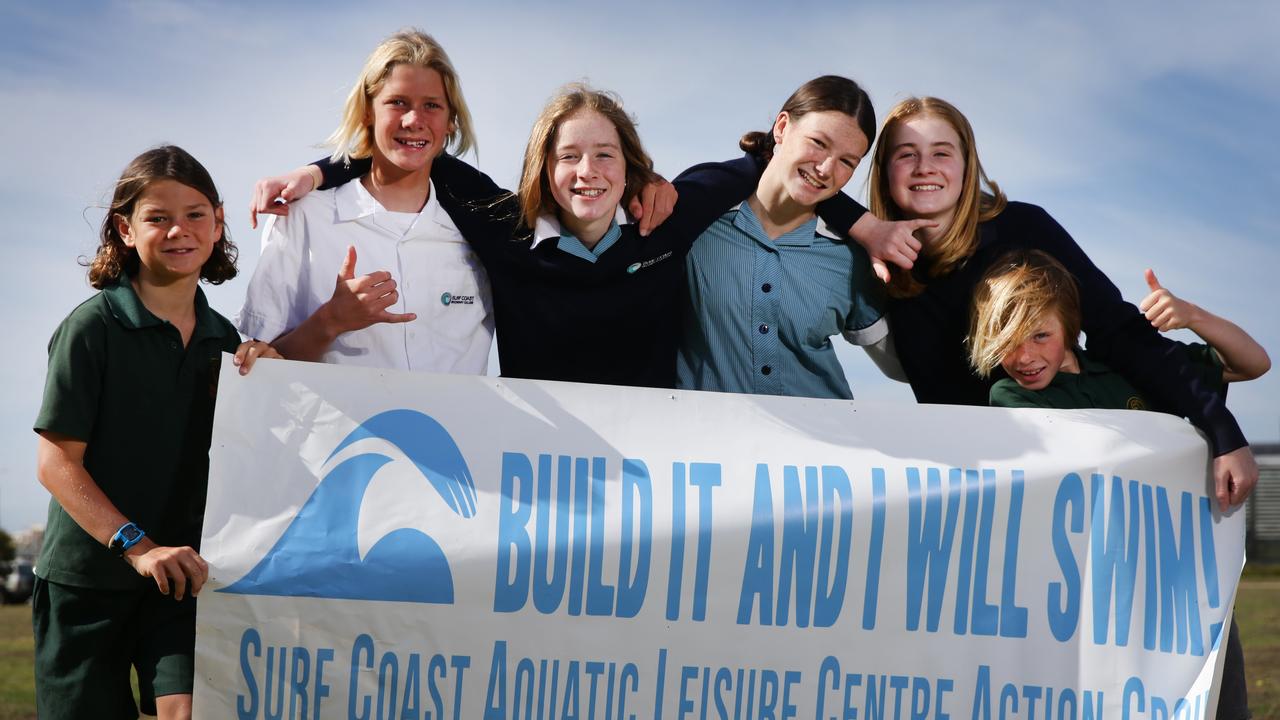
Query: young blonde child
x: 1026, y: 319
x: 124, y: 433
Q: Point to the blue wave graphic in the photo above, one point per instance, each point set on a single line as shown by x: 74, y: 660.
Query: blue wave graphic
x: 318, y: 555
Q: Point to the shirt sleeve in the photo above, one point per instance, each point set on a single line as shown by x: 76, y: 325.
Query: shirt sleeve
x: 1008, y: 393
x: 272, y: 303
x: 1121, y: 337
x: 840, y: 212
x: 336, y: 173
x: 709, y: 190
x: 485, y: 214
x: 866, y: 323
x: 73, y: 385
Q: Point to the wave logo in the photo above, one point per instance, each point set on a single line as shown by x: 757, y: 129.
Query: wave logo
x: 319, y: 554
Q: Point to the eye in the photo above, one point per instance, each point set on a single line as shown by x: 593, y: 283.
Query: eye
x: 905, y: 155
x: 433, y: 105
x: 154, y: 219
x: 818, y: 142
x: 1041, y: 336
x: 568, y: 157
x: 942, y: 154
x: 851, y: 164
x: 195, y: 214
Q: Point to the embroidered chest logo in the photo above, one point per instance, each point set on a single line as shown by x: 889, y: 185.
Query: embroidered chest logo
x: 448, y: 298
x: 1135, y: 403
x: 634, y: 268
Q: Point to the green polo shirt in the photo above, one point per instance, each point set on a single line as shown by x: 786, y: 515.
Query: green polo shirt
x: 1096, y: 385
x: 120, y: 379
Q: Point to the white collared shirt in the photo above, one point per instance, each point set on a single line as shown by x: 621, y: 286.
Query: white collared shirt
x: 437, y: 275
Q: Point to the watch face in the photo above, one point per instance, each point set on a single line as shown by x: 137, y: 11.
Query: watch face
x: 130, y: 534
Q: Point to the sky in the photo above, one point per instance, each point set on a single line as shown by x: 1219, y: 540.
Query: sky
x: 1146, y: 129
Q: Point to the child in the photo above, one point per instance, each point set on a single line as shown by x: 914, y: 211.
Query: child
x: 124, y: 436
x: 1026, y: 318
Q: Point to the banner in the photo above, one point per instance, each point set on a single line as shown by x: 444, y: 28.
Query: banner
x: 394, y: 545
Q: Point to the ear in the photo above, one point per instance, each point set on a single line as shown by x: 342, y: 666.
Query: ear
x: 780, y: 127
x: 123, y: 228
x: 221, y: 225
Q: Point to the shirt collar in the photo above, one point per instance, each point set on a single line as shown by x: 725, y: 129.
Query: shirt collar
x: 354, y: 201
x: 127, y: 307
x: 802, y: 236
x: 548, y: 226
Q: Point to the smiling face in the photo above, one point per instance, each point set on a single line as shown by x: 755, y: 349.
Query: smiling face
x: 926, y: 168
x: 587, y: 173
x: 816, y: 154
x: 408, y: 119
x: 173, y: 228
x: 1034, y: 363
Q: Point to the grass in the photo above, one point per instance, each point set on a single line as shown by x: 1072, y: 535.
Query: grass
x: 1258, y: 615
x: 1257, y: 612
x: 17, y: 683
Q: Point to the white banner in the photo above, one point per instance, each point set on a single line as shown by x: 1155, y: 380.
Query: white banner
x: 393, y: 545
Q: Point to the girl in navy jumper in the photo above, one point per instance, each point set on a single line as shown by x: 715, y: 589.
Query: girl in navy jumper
x: 926, y: 166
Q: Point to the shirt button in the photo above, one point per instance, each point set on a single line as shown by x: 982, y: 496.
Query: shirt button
x: 173, y: 345
x: 766, y: 370
x: 766, y: 287
x: 764, y: 329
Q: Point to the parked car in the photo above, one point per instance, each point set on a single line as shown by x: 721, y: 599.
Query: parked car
x: 18, y: 581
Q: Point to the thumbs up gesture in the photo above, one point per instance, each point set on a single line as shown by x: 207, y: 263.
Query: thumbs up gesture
x: 361, y: 301
x: 1165, y: 310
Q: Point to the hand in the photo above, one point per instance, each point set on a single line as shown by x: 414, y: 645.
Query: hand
x: 653, y: 205
x: 286, y: 188
x: 181, y: 565
x: 359, y: 302
x: 1165, y: 310
x: 249, y: 352
x: 1234, y: 475
x: 889, y: 241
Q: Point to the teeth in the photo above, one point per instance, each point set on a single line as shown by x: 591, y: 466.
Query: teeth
x: 812, y: 182
x: 588, y: 192
x: 925, y: 188
x: 413, y: 143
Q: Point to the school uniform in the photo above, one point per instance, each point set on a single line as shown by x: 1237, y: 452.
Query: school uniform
x: 437, y: 277
x: 609, y: 314
x: 762, y: 311
x: 121, y: 380
x: 929, y: 329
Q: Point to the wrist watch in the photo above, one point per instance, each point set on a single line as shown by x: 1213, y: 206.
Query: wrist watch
x: 126, y: 537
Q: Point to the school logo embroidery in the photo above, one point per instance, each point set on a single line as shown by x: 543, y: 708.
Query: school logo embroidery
x: 1135, y: 403
x: 319, y: 555
x: 633, y: 268
x: 451, y: 299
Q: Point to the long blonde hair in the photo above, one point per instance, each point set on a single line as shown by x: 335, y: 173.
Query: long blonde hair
x: 408, y: 47
x: 980, y: 197
x: 535, y: 188
x: 1014, y: 296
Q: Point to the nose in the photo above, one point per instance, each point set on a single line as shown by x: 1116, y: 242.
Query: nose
x: 412, y: 119
x: 178, y: 228
x: 586, y: 167
x: 824, y: 168
x: 924, y: 165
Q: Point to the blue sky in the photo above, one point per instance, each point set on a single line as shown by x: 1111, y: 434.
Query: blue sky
x: 1147, y: 129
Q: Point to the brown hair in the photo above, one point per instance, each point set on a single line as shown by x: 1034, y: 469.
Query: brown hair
x: 1012, y: 298
x: 980, y: 197
x: 829, y: 93
x: 408, y: 47
x: 166, y: 162
x: 535, y: 188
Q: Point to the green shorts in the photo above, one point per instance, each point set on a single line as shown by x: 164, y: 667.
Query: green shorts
x: 87, y: 639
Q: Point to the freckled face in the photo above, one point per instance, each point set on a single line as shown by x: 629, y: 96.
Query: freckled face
x: 173, y: 228
x: 587, y: 171
x: 409, y: 118
x: 818, y: 153
x: 1039, y: 358
x: 926, y: 169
